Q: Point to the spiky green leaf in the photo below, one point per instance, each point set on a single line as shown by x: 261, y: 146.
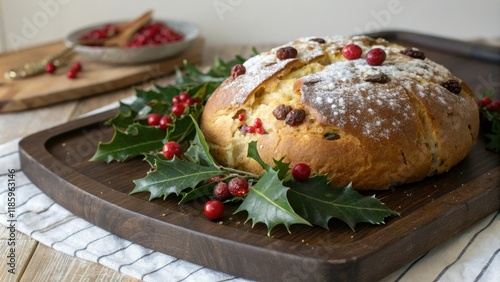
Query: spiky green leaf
x: 318, y: 202
x: 173, y: 176
x: 267, y: 202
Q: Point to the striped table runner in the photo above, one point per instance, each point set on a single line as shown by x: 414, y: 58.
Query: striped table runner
x: 470, y: 256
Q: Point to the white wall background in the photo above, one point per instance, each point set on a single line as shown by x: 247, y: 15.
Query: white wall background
x: 26, y: 23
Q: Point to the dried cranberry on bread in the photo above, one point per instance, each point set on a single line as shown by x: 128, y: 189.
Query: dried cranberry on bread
x: 374, y: 126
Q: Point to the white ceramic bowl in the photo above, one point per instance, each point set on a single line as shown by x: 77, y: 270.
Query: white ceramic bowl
x: 144, y: 54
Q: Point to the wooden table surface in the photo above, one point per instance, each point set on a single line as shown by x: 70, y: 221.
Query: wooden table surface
x: 36, y: 262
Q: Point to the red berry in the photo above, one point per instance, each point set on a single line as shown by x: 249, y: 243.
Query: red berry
x: 485, y: 101
x: 154, y: 119
x: 241, y: 117
x: 191, y: 101
x: 183, y: 97
x: 249, y: 129
x: 494, y: 106
x: 375, y: 57
x: 301, y: 172
x: 50, y: 67
x: 257, y: 123
x: 352, y: 52
x: 171, y: 149
x: 76, y: 66
x: 164, y: 122
x: 214, y: 209
x: 260, y: 130
x: 238, y: 186
x: 71, y: 74
x: 176, y: 100
x: 221, y: 191
x: 178, y: 109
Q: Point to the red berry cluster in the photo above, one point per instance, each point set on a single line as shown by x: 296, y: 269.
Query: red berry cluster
x: 255, y: 127
x: 103, y: 32
x: 374, y: 57
x: 154, y: 34
x: 239, y: 187
x: 236, y: 187
x: 162, y: 122
x: 72, y: 73
x: 180, y: 103
x: 488, y: 104
x: 150, y: 34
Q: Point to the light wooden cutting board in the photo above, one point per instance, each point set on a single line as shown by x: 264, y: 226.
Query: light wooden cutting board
x: 95, y: 78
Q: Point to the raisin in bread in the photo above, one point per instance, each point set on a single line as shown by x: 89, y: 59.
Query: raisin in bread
x: 374, y: 126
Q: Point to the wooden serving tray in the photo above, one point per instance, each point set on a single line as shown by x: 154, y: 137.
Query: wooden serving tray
x: 432, y: 211
x: 95, y: 78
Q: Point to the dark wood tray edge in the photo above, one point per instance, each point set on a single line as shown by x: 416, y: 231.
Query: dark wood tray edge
x: 42, y: 169
x: 470, y: 50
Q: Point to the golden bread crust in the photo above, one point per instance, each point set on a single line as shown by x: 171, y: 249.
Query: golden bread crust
x: 393, y: 123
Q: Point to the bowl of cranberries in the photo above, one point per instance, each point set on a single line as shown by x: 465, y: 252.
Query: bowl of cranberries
x: 154, y: 41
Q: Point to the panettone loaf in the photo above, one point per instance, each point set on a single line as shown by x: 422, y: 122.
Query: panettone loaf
x: 374, y: 126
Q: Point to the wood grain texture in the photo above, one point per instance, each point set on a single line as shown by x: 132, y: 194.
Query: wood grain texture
x: 432, y: 211
x: 24, y: 249
x: 46, y: 89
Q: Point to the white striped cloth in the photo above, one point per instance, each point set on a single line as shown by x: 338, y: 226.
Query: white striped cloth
x: 472, y: 255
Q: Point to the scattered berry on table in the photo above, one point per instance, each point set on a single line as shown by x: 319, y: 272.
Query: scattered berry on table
x: 301, y: 172
x: 72, y: 74
x: 352, y: 51
x: 76, y: 66
x: 375, y: 57
x: 50, y: 67
x: 171, y: 149
x: 238, y: 186
x: 214, y: 209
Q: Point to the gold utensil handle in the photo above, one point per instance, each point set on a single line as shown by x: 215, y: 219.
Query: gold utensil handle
x: 37, y: 67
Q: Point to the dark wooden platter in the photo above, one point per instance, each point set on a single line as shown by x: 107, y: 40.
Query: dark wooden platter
x: 432, y: 210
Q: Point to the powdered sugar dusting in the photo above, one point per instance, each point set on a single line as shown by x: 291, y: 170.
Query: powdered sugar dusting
x: 377, y: 110
x: 263, y: 66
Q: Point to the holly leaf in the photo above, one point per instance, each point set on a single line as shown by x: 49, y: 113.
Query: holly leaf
x: 253, y: 153
x: 318, y: 202
x: 124, y: 118
x: 136, y: 140
x: 183, y: 128
x: 267, y: 202
x: 173, y: 176
x: 199, y: 151
x: 204, y: 190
